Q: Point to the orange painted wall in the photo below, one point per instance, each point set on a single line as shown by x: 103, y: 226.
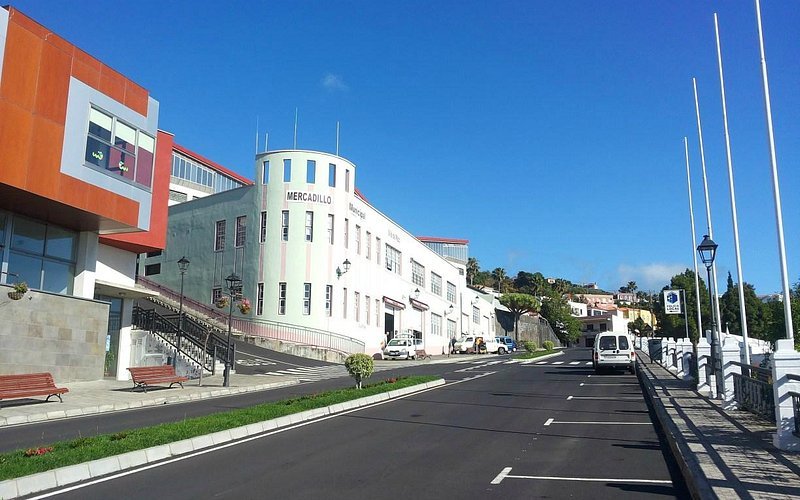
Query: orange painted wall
x: 33, y: 103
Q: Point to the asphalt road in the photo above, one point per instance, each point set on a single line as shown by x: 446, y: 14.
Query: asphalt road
x: 495, y: 430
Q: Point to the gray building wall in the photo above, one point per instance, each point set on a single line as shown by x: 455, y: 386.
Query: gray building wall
x: 53, y: 333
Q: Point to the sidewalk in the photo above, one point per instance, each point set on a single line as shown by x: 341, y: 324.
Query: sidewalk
x: 99, y: 396
x: 721, y: 454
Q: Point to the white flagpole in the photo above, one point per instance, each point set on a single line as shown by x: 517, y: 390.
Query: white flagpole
x: 713, y: 285
x: 776, y: 191
x: 256, y: 134
x: 266, y: 141
x: 694, y: 240
x: 745, y: 354
x: 295, y: 129
x: 337, y: 138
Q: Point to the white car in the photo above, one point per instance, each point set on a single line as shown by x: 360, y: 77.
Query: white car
x: 613, y: 351
x: 402, y: 348
x: 467, y: 343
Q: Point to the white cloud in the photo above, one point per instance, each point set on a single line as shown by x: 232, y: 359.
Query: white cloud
x: 649, y: 276
x: 333, y: 82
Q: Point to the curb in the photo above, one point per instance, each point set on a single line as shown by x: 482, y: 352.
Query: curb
x: 26, y: 485
x: 696, y: 481
x: 156, y: 401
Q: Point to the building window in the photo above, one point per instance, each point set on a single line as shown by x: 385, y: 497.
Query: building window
x: 393, y: 259
x: 366, y: 307
x: 436, y: 324
x: 241, y: 230
x: 417, y: 273
x: 263, y: 233
x: 311, y: 171
x: 285, y: 225
x: 119, y: 149
x: 157, y: 253
x: 332, y: 175
x: 260, y: 300
x: 216, y: 294
x: 329, y: 300
x: 151, y: 269
x: 476, y: 315
x: 306, y: 298
x: 358, y: 239
x: 309, y: 226
x: 369, y: 245
x: 287, y: 170
x: 378, y: 250
x: 330, y: 229
x: 436, y: 284
x: 603, y: 327
x: 344, y: 303
x: 219, y: 236
x: 347, y: 180
x: 451, y: 329
x: 282, y: 297
x: 451, y: 293
x: 357, y: 300
x: 347, y: 233
x: 265, y: 172
x: 377, y: 312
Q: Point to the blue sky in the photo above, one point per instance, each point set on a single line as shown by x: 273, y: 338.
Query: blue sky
x: 549, y: 134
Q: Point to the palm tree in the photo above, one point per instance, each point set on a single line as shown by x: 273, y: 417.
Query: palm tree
x: 499, y: 275
x: 472, y: 269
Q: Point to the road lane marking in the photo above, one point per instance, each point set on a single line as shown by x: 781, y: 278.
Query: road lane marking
x: 615, y: 385
x: 581, y: 384
x: 558, y: 362
x: 574, y: 362
x: 569, y: 397
x: 549, y: 421
x: 505, y: 474
x: 607, y: 397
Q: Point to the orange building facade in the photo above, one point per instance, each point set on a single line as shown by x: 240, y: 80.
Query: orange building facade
x: 84, y: 184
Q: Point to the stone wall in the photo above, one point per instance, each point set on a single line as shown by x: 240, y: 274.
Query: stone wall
x: 60, y: 334
x: 532, y: 328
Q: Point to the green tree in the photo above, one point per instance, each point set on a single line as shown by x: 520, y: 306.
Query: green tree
x: 672, y: 325
x: 519, y: 304
x: 555, y: 309
x: 359, y: 366
x: 531, y: 283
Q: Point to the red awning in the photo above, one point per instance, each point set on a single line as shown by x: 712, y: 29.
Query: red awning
x: 419, y: 306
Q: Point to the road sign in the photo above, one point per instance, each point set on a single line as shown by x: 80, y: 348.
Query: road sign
x: 672, y: 302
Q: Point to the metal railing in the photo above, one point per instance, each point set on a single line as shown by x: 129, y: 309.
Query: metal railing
x: 198, y: 343
x: 752, y: 390
x: 265, y: 328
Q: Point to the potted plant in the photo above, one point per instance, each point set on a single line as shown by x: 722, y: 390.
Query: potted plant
x: 222, y: 302
x: 20, y: 288
x: 244, y: 306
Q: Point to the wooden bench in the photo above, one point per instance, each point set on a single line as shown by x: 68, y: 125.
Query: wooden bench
x: 29, y: 384
x: 144, y: 376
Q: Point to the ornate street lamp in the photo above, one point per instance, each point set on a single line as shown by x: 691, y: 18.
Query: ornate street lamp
x: 708, y: 252
x: 343, y: 270
x: 234, y: 284
x: 183, y: 266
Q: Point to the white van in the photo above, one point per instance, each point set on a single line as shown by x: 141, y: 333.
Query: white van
x: 613, y: 351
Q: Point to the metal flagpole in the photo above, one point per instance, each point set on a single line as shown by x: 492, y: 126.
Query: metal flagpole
x: 745, y: 354
x: 337, y: 138
x: 694, y: 241
x: 787, y: 307
x: 295, y: 129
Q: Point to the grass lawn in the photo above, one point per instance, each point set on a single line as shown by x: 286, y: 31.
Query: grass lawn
x: 24, y: 462
x: 535, y: 354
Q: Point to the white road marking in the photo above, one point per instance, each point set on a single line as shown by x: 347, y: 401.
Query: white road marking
x: 608, y: 397
x: 504, y: 474
x: 615, y: 385
x: 574, y: 362
x: 588, y: 363
x: 558, y: 362
x: 541, y: 362
x: 569, y: 397
x: 599, y: 423
x: 549, y: 421
x: 581, y: 384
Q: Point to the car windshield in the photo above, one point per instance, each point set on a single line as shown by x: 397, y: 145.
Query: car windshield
x: 607, y: 343
x: 397, y: 342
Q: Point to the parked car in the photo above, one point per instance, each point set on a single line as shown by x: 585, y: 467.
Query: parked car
x: 613, y: 351
x: 509, y: 343
x: 402, y: 348
x: 488, y: 344
x: 465, y: 343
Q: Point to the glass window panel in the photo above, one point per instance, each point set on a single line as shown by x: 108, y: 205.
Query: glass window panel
x: 28, y: 235
x: 265, y: 173
x: 287, y: 170
x: 3, y: 219
x: 26, y: 268
x: 311, y: 171
x: 97, y: 152
x: 332, y: 175
x: 58, y: 277
x: 125, y: 137
x: 60, y: 243
x: 100, y: 124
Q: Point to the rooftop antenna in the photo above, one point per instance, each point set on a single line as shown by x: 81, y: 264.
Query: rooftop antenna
x: 295, y: 128
x: 337, y: 137
x: 266, y: 141
x: 257, y: 134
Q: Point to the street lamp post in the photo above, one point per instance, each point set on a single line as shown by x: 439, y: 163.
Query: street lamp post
x: 708, y: 251
x: 183, y: 266
x: 234, y: 283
